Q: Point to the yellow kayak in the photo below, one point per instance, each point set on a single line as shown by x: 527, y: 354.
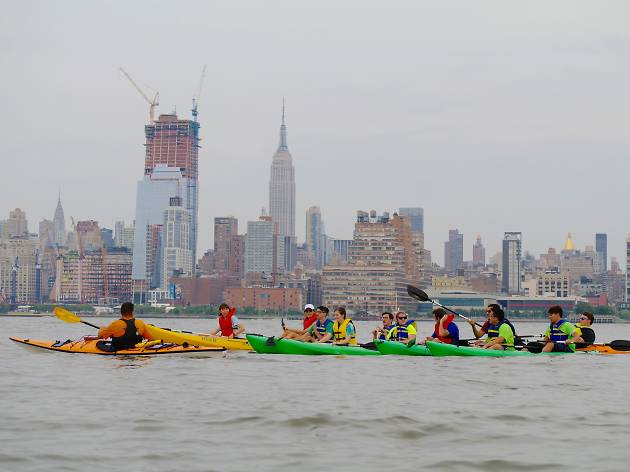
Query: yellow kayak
x: 198, y: 339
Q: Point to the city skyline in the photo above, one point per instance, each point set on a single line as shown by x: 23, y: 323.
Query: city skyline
x: 483, y: 117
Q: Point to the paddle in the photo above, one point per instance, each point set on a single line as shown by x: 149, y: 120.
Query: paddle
x: 69, y: 317
x: 415, y: 292
x: 271, y: 340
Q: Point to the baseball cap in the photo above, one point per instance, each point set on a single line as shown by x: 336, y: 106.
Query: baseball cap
x: 309, y: 305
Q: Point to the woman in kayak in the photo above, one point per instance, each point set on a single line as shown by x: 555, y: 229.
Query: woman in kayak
x: 404, y: 330
x: 125, y: 332
x: 344, y: 331
x: 445, y: 331
x: 229, y: 326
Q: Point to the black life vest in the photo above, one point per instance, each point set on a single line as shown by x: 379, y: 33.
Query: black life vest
x: 129, y: 339
x: 588, y: 335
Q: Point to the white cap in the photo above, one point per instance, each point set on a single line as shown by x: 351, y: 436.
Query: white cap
x: 309, y: 305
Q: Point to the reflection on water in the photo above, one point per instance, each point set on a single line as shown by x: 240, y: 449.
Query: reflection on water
x: 247, y: 411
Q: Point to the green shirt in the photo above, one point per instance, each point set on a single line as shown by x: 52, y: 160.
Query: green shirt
x: 568, y: 329
x: 507, y: 334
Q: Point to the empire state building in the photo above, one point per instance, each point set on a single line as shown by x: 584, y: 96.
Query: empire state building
x: 282, y: 186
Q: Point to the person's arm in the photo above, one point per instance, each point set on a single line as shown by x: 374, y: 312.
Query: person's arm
x: 110, y: 330
x: 142, y: 330
x: 442, y: 330
x: 325, y: 338
x: 476, y: 331
x: 214, y: 332
x: 241, y: 329
x: 412, y: 333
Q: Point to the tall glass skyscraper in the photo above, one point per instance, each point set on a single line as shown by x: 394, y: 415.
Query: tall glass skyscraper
x: 601, y: 248
x: 512, y: 257
x: 416, y: 218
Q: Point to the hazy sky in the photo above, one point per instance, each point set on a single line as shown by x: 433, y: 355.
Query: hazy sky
x: 491, y: 115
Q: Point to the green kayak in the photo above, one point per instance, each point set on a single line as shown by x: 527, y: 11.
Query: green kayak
x: 290, y: 346
x: 442, y: 349
x: 261, y: 345
x: 401, y: 349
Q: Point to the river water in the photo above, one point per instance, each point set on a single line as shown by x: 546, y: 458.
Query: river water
x: 252, y: 412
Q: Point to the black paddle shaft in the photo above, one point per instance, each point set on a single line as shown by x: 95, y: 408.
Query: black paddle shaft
x: 90, y: 324
x: 420, y: 295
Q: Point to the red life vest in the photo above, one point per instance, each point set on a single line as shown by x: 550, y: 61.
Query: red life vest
x: 444, y: 339
x: 309, y: 320
x: 225, y: 323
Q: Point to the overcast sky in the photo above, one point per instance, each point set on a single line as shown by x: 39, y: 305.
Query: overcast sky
x: 491, y: 115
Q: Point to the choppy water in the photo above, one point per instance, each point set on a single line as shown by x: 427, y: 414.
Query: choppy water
x: 251, y: 412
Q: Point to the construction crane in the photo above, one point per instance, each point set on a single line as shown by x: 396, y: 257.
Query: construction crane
x: 152, y: 103
x: 197, y: 96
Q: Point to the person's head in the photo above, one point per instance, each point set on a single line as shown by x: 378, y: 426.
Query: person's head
x: 224, y: 309
x: 387, y: 318
x: 322, y: 312
x: 401, y: 317
x: 495, y: 313
x: 587, y: 319
x: 126, y: 309
x: 438, y: 313
x: 308, y: 309
x: 340, y: 314
x: 555, y: 313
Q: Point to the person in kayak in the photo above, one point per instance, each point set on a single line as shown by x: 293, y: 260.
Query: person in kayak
x: 310, y: 317
x: 445, y: 331
x: 492, y: 309
x: 322, y: 330
x: 404, y: 330
x: 500, y: 332
x: 229, y: 326
x: 125, y: 332
x: 561, y: 335
x: 587, y: 333
x: 381, y: 332
x: 344, y: 331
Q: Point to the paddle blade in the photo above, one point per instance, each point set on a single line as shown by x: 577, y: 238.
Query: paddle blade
x: 416, y: 293
x: 620, y: 345
x: 65, y: 315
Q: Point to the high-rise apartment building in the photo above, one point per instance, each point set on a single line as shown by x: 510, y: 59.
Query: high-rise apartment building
x: 315, y: 236
x: 17, y: 225
x: 627, y: 269
x: 454, y: 252
x: 416, y: 218
x: 225, y: 228
x: 176, y: 254
x: 18, y: 270
x: 601, y: 248
x: 512, y: 261
x: 174, y: 143
x: 264, y: 247
x: 479, y: 253
x: 282, y: 186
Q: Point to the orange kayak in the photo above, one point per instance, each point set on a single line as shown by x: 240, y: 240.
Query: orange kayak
x: 150, y: 348
x: 601, y: 349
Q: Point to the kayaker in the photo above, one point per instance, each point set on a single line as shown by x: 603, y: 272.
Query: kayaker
x: 229, y: 326
x: 561, y: 335
x: 125, y: 332
x: 344, y: 331
x: 322, y: 330
x: 445, y: 331
x: 310, y: 317
x: 381, y: 332
x: 404, y: 330
x: 587, y: 333
x: 500, y: 332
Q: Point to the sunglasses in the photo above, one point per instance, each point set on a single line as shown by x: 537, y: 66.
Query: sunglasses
x: 402, y: 317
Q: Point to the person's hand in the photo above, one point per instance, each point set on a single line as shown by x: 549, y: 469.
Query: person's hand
x: 471, y: 322
x: 231, y: 336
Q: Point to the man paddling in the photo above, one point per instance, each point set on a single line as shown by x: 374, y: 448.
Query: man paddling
x: 381, y: 332
x: 310, y: 317
x: 587, y: 333
x: 404, y: 330
x: 125, y: 332
x: 229, y: 326
x: 322, y: 330
x: 500, y: 332
x: 561, y: 335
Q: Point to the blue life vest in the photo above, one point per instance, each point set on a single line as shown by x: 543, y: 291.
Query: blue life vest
x: 401, y: 331
x: 383, y: 336
x: 555, y: 334
x: 321, y: 327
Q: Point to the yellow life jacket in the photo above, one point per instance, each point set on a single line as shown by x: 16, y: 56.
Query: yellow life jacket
x: 339, y: 331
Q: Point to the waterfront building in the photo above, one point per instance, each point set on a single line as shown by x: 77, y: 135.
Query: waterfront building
x: 107, y: 236
x: 511, y: 264
x: 225, y: 229
x: 174, y: 143
x: 59, y: 221
x: 315, y: 236
x: 264, y: 247
x: 176, y: 254
x: 479, y: 253
x: 453, y: 252
x: 416, y: 218
x: 123, y: 235
x: 601, y: 247
x: 553, y: 283
x: 264, y: 298
x: 340, y: 248
x: 282, y: 186
x: 18, y: 270
x: 88, y: 236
